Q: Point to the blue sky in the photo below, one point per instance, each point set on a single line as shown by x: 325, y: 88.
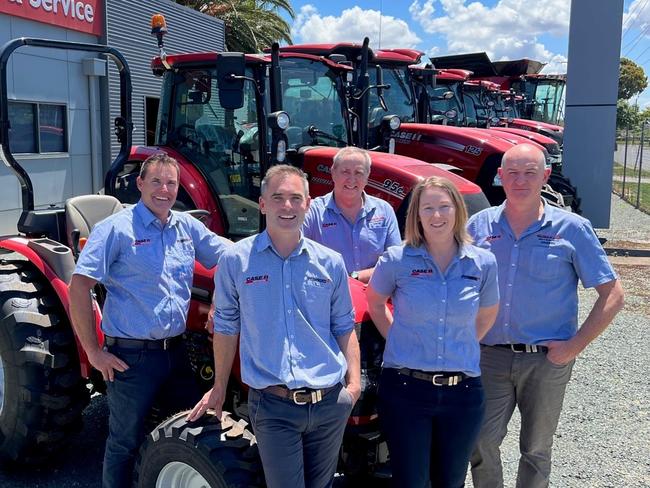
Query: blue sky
x: 505, y: 29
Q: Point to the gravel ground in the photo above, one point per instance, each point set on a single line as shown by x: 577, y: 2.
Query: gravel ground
x: 604, y: 434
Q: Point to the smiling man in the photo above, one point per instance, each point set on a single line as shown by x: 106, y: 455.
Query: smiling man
x: 528, y: 355
x: 285, y: 301
x: 357, y: 225
x: 144, y: 256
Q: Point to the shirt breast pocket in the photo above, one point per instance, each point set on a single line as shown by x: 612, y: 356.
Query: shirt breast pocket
x: 317, y: 299
x: 377, y: 236
x: 546, y: 262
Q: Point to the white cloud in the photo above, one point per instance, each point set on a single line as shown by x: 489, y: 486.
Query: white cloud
x: 351, y: 26
x: 508, y: 30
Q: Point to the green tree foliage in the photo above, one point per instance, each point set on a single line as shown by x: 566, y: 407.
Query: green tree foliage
x: 251, y: 25
x: 632, y: 79
x: 627, y: 116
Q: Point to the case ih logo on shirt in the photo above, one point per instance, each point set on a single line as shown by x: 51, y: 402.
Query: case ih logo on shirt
x: 493, y: 237
x: 254, y: 279
x: 79, y: 15
x: 141, y: 242
x: 377, y: 222
x: 421, y: 272
x: 183, y: 240
x: 328, y: 224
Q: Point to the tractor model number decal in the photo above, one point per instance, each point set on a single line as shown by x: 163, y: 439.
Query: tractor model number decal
x: 393, y: 187
x: 473, y: 150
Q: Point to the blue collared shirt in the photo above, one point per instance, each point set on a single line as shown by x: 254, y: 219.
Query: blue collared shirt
x: 374, y: 230
x: 539, y: 272
x: 434, y: 314
x: 147, y: 269
x: 288, y: 312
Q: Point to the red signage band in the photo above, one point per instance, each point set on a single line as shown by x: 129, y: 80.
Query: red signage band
x: 80, y: 15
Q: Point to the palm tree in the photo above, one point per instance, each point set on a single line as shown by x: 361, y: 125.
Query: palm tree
x: 251, y: 25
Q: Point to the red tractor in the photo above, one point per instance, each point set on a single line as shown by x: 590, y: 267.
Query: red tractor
x: 387, y: 84
x: 542, y: 109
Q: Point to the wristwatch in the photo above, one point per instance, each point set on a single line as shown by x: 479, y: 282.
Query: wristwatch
x: 354, y: 275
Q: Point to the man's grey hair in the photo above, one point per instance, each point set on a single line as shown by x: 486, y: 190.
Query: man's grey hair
x: 352, y: 152
x: 284, y: 170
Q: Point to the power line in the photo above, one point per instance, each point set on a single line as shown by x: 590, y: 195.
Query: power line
x: 636, y: 39
x: 640, y: 8
x: 642, y: 53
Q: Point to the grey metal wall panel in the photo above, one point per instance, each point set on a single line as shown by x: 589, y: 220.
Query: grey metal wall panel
x: 129, y: 30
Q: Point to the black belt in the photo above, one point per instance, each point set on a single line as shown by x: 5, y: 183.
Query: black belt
x: 166, y: 343
x: 300, y: 396
x: 523, y: 347
x: 437, y: 379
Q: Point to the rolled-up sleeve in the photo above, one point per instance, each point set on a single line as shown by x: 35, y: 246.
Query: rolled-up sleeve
x: 341, y: 309
x: 226, y: 297
x: 589, y: 259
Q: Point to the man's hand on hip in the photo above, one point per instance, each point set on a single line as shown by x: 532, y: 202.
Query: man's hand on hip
x: 561, y: 352
x: 107, y: 363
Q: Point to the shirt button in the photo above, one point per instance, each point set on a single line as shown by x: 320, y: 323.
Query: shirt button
x: 506, y: 325
x: 516, y: 245
x: 439, y: 357
x: 289, y: 311
x: 286, y: 286
x: 444, y: 283
x: 507, y: 304
x: 509, y: 284
x: 513, y: 264
x: 439, y: 338
x: 440, y: 320
x: 443, y: 300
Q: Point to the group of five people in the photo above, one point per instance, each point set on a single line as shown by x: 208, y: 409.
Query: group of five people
x: 450, y: 379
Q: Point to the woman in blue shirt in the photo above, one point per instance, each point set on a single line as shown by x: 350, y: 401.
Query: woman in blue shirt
x: 445, y: 298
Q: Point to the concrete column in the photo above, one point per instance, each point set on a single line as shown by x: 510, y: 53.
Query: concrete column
x: 592, y: 88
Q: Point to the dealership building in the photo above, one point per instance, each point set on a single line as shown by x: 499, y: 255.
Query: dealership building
x: 62, y: 103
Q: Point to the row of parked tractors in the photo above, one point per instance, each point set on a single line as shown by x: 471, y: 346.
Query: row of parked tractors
x: 226, y: 117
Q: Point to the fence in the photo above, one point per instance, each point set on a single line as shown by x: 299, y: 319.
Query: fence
x: 632, y: 167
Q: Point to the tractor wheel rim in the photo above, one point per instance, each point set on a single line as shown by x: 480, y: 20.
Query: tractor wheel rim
x: 180, y: 475
x: 2, y: 385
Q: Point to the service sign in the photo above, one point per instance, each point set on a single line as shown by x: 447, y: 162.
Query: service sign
x: 80, y: 15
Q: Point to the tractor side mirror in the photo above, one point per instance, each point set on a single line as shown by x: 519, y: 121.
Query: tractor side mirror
x: 230, y: 78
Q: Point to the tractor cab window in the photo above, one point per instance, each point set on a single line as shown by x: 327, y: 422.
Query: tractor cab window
x: 442, y: 107
x: 311, y: 97
x: 399, y: 97
x: 471, y: 116
x: 223, y: 145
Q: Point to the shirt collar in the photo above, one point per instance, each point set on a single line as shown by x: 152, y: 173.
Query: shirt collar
x: 547, y: 214
x: 263, y: 242
x: 147, y: 217
x: 464, y: 250
x: 330, y: 204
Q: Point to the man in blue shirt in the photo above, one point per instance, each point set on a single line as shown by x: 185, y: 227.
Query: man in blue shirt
x: 144, y: 256
x: 528, y: 355
x: 285, y: 301
x: 357, y: 225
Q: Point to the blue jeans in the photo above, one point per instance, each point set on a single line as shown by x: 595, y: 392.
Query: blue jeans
x: 430, y: 430
x: 151, y: 373
x: 299, y: 444
x: 536, y: 386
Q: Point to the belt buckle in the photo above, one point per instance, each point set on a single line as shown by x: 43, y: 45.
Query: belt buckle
x: 295, y: 399
x: 166, y: 343
x: 514, y: 349
x: 433, y: 380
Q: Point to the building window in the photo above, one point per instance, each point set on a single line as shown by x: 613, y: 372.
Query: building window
x: 37, y: 127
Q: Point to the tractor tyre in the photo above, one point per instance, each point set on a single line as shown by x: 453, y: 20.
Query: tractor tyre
x: 485, y: 180
x: 208, y: 452
x: 562, y: 185
x: 42, y: 393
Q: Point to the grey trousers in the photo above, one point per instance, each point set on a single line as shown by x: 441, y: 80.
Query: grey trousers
x: 299, y: 444
x: 536, y: 386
